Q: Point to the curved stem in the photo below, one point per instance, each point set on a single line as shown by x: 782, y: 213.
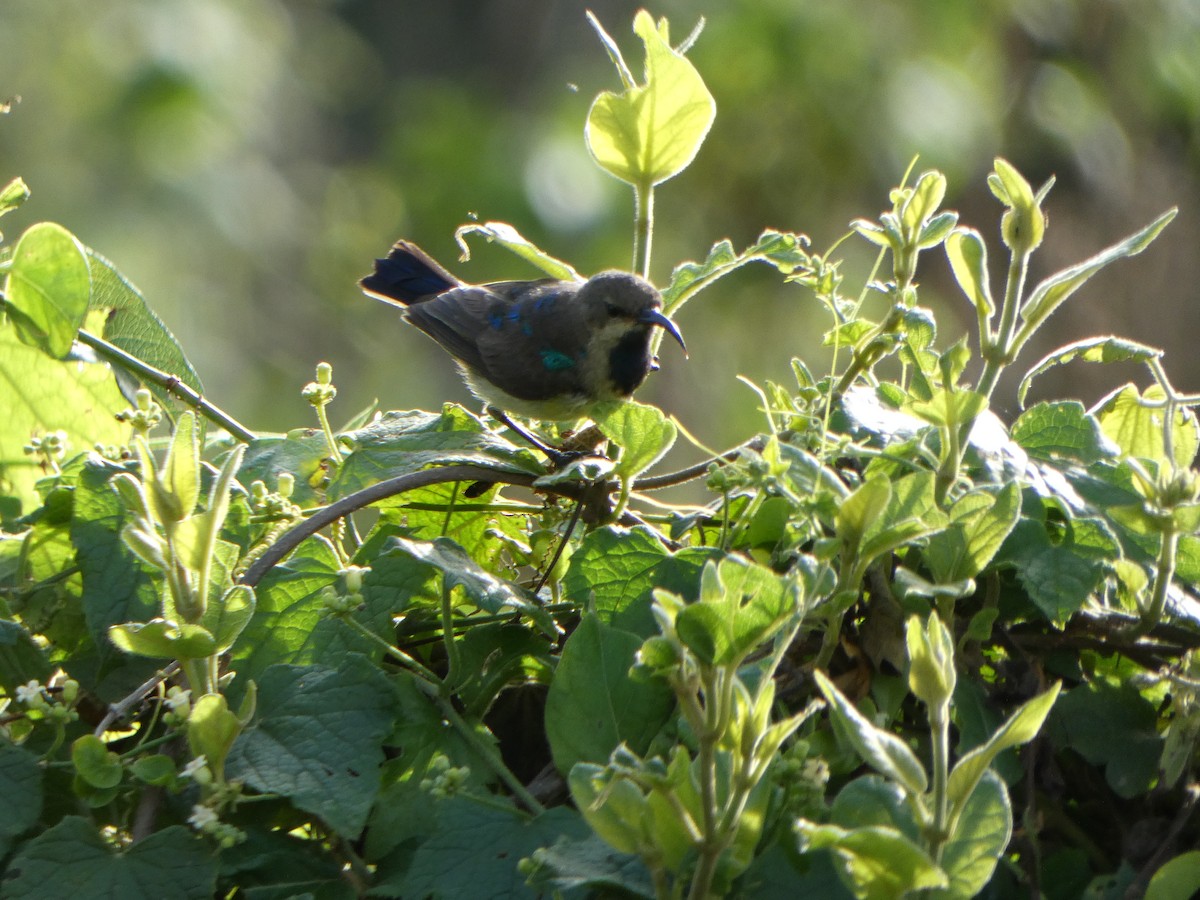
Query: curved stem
x: 1165, y: 571
x: 334, y: 453
x: 360, y: 499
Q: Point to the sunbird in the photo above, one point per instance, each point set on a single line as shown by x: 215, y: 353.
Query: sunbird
x: 545, y: 349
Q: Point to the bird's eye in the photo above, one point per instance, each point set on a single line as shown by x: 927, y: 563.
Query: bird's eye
x: 613, y: 310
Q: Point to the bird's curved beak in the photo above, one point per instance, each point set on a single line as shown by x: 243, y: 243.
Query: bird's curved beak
x: 654, y: 317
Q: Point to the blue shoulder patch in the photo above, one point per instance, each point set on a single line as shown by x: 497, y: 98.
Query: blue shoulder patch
x: 555, y: 360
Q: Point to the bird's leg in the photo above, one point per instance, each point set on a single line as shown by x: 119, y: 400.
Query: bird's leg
x: 558, y: 458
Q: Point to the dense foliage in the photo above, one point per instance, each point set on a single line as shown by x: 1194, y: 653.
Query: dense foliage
x: 896, y: 645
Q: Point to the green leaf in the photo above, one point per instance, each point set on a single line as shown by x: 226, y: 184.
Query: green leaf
x: 21, y: 788
x: 593, y: 705
x: 579, y: 472
x: 936, y: 230
x: 95, y: 763
x: 404, y: 442
x: 494, y: 657
x: 21, y: 659
x: 485, y: 590
x: 592, y: 865
x: 1053, y: 291
x: 949, y: 409
x: 967, y: 252
x: 1058, y: 581
x: 614, y: 807
x: 875, y: 233
x: 273, y: 865
x: 47, y: 288
x: 1063, y: 429
x: 1177, y: 879
x: 13, y: 195
x: 211, y: 731
x: 1137, y: 428
x: 301, y: 453
x: 873, y: 801
x: 227, y: 618
x: 926, y: 196
x: 979, y: 523
x: 977, y: 841
x: 876, y: 863
x: 71, y: 859
x: 651, y: 131
x: 318, y: 739
x: 861, y: 509
x: 207, y: 529
x: 614, y: 570
x: 180, y: 473
x: 782, y: 249
x: 474, y: 848
x: 131, y: 325
x: 884, y: 752
x: 510, y: 239
x: 742, y: 604
x: 643, y: 433
x: 43, y: 395
x: 162, y: 639
x: 1096, y: 349
x: 1086, y: 718
x: 157, y: 769
x: 290, y: 623
x: 1018, y: 729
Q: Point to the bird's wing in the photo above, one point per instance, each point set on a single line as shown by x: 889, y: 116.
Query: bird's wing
x: 457, y: 318
x: 534, y: 350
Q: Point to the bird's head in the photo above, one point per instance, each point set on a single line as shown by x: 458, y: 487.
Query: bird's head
x: 620, y: 303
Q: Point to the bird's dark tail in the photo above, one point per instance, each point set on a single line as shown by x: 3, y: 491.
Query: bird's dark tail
x: 408, y: 275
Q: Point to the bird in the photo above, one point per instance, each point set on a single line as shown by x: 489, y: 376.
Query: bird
x: 546, y: 349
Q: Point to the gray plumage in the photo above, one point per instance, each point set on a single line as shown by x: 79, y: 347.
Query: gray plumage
x: 544, y: 349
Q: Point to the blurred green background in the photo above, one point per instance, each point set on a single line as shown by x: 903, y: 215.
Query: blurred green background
x: 243, y: 162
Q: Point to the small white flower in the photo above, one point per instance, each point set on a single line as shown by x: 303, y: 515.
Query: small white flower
x: 30, y: 694
x: 179, y: 700
x: 194, y: 766
x: 201, y: 817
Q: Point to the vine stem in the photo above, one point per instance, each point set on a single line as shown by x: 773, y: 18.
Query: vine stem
x: 334, y: 453
x: 1164, y: 572
x: 435, y: 688
x: 999, y: 353
x: 381, y: 490
x: 643, y: 228
x: 710, y: 845
x: 939, y: 722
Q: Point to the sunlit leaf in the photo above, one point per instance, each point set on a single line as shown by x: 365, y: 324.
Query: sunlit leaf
x: 47, y: 288
x: 651, y: 131
x: 510, y: 239
x: 1096, y: 349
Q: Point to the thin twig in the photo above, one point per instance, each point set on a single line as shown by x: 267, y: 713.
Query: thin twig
x: 172, y: 384
x: 670, y: 479
x: 121, y: 708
